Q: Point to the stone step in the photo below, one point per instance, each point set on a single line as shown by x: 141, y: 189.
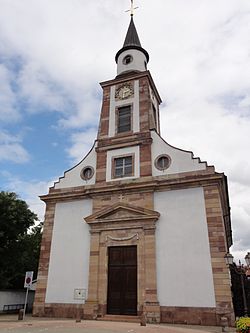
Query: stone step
x: 122, y: 318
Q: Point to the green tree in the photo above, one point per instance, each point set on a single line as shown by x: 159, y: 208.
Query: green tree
x: 19, y: 241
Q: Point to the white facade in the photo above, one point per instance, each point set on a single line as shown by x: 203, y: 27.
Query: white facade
x: 72, y: 177
x: 173, y: 207
x: 184, y: 273
x: 8, y: 297
x: 69, y: 256
x: 181, y: 160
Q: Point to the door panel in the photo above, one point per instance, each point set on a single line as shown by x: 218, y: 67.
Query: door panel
x: 130, y: 295
x: 115, y: 292
x: 122, y: 280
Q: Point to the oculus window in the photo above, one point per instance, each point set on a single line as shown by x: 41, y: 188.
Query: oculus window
x: 124, y: 119
x: 87, y: 173
x: 162, y: 162
x: 123, y: 166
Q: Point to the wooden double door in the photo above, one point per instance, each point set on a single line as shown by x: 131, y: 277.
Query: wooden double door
x: 122, y: 280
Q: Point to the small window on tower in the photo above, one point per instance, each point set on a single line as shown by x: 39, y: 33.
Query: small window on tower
x: 124, y: 119
x: 155, y: 115
x: 123, y: 166
x: 127, y: 59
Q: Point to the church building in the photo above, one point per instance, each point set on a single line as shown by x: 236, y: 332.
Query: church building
x: 138, y: 227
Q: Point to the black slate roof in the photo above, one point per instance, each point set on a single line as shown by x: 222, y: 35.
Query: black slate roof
x: 132, y: 41
x: 132, y: 38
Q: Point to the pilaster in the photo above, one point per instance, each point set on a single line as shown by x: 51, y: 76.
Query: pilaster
x: 218, y: 248
x: 91, y: 305
x: 151, y: 304
x: 43, y: 269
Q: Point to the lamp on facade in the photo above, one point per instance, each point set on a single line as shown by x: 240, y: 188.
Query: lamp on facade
x: 240, y: 270
x: 229, y: 259
x: 247, y: 258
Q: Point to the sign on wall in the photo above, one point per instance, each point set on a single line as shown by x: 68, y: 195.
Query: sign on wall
x: 28, y: 279
x: 80, y: 294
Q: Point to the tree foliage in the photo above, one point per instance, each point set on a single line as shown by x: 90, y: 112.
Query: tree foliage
x: 19, y: 241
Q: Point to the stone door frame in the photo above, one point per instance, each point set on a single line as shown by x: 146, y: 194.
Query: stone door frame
x: 123, y: 225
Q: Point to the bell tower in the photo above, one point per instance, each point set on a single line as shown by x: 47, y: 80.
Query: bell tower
x: 130, y: 110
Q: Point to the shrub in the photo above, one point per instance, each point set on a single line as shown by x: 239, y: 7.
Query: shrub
x: 243, y: 325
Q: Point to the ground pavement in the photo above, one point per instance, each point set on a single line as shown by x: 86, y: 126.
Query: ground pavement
x: 10, y: 324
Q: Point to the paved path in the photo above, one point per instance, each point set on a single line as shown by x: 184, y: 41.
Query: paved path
x: 10, y: 324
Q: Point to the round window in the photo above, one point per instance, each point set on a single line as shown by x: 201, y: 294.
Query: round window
x: 87, y: 173
x: 162, y: 162
x: 127, y: 59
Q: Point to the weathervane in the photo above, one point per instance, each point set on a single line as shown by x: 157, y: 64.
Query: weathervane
x: 132, y: 9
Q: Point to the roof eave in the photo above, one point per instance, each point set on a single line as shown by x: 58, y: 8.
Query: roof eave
x: 132, y: 47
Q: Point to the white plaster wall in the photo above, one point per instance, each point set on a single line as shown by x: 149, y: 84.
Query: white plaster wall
x: 120, y: 152
x: 8, y: 297
x: 135, y: 109
x: 138, y: 63
x: 181, y: 161
x: 184, y: 272
x: 72, y: 177
x: 69, y: 257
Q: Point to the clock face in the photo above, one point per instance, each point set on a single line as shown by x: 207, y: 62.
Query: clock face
x: 124, y: 92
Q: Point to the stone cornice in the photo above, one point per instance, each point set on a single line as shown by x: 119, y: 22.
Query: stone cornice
x: 124, y: 141
x: 135, y: 76
x: 147, y: 184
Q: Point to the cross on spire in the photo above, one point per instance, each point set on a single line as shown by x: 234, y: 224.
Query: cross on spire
x: 132, y: 8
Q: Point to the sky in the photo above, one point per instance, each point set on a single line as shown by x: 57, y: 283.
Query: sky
x: 54, y: 53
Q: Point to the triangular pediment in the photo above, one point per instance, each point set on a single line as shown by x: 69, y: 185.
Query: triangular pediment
x: 122, y: 211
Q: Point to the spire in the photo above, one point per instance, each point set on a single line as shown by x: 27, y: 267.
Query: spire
x: 132, y: 38
x: 132, y: 41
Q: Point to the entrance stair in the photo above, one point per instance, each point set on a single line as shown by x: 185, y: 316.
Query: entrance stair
x: 121, y: 318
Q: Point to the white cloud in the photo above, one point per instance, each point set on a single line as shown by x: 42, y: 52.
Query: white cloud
x: 39, y: 91
x: 199, y: 57
x: 86, y: 112
x: 11, y: 149
x: 203, y: 74
x: 240, y: 194
x: 82, y: 142
x: 63, y: 55
x: 8, y: 112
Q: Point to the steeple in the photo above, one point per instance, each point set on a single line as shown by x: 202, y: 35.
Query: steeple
x: 131, y: 57
x: 132, y: 38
